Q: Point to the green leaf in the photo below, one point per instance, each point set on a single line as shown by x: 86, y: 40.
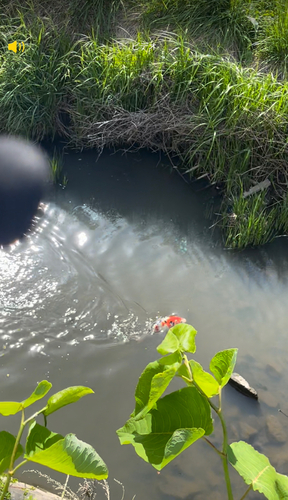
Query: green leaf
x: 177, y: 421
x: 179, y: 338
x: 40, y: 438
x: 184, y: 373
x: 222, y: 365
x: 7, y: 443
x: 10, y: 408
x: 153, y: 381
x: 68, y: 455
x: 169, y: 344
x: 256, y: 470
x: 39, y: 393
x: 65, y: 397
x: 204, y: 380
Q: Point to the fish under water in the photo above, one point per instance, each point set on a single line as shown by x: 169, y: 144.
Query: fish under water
x: 167, y: 322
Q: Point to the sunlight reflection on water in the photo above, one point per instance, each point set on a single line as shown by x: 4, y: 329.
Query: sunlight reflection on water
x: 79, y: 296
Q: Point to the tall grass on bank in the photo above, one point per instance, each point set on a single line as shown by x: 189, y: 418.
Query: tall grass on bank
x: 247, y: 221
x: 251, y: 221
x: 272, y: 46
x: 222, y: 24
x: 33, y: 84
x: 223, y: 120
x: 74, y: 17
x: 248, y: 30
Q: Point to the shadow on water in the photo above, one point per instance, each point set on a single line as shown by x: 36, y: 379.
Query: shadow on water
x: 125, y: 242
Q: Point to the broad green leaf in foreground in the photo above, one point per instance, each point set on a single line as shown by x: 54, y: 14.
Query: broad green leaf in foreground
x: 179, y: 338
x: 65, y: 397
x: 153, y: 381
x: 177, y: 421
x: 222, y: 365
x: 68, y: 455
x: 256, y: 469
x: 204, y: 380
x: 10, y: 408
x: 7, y: 442
x: 40, y: 438
x: 39, y: 393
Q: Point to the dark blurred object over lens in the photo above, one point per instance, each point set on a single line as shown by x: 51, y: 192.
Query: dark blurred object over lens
x: 24, y: 176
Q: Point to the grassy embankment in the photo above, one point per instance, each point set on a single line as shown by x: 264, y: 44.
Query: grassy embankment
x: 205, y: 80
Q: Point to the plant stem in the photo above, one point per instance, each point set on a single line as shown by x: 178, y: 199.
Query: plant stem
x: 186, y: 363
x: 18, y: 466
x: 65, y: 486
x: 225, y: 437
x: 224, y: 457
x: 246, y: 492
x: 11, y: 471
x: 6, y: 486
x: 227, y: 478
x: 203, y: 394
x: 214, y: 447
x: 34, y: 416
x: 19, y: 435
x: 220, y: 399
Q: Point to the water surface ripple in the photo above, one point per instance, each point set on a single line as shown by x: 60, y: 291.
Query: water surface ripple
x: 126, y: 242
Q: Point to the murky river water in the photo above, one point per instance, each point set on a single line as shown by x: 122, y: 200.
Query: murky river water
x: 123, y: 243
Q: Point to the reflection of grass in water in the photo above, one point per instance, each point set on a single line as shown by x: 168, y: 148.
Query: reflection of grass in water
x: 56, y: 169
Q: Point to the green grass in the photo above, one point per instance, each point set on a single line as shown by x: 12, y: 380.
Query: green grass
x: 248, y: 221
x: 210, y: 88
x: 248, y: 30
x: 33, y: 83
x: 56, y: 165
x: 73, y: 17
x: 222, y: 25
x: 252, y: 222
x: 272, y: 46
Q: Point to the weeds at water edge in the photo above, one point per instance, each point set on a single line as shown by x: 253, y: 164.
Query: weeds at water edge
x: 88, y: 490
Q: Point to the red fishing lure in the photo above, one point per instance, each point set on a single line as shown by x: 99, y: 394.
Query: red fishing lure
x: 168, y: 322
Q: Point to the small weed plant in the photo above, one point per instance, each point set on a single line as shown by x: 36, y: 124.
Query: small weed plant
x: 160, y: 428
x: 66, y: 454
